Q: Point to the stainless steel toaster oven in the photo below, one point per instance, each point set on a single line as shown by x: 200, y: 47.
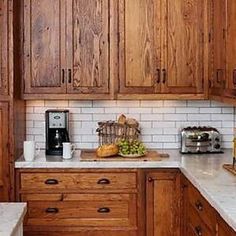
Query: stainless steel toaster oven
x: 200, y: 140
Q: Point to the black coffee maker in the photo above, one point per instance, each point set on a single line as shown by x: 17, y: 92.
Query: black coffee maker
x: 57, y: 131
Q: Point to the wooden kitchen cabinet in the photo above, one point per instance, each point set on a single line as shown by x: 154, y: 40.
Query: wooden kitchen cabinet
x: 88, y: 46
x: 163, y: 203
x: 44, y: 47
x: 230, y: 88
x: 223, y: 228
x: 218, y: 40
x: 80, y: 202
x: 67, y: 49
x: 4, y: 152
x: 162, y: 49
x: 4, y: 54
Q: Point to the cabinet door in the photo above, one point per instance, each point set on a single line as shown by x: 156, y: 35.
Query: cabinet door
x: 4, y: 47
x: 218, y: 77
x: 183, y: 47
x: 163, y: 203
x: 4, y: 160
x: 139, y: 46
x: 231, y: 49
x: 88, y: 46
x: 44, y: 46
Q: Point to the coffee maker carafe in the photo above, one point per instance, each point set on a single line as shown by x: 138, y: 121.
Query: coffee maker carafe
x: 57, y: 131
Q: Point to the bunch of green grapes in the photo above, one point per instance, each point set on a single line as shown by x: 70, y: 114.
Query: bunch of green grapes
x: 127, y: 147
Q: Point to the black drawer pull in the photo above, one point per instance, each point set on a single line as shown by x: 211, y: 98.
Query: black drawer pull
x: 198, y: 230
x: 103, y: 181
x: 103, y: 210
x: 52, y: 210
x: 51, y: 181
x: 199, y: 206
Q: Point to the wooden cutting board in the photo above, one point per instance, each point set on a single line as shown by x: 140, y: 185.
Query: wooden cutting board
x: 230, y: 168
x: 90, y: 155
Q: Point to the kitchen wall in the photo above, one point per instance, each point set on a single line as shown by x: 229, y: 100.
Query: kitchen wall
x: 160, y: 121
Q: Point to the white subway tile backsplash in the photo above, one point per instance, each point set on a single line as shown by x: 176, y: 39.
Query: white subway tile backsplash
x: 160, y: 121
x: 199, y: 117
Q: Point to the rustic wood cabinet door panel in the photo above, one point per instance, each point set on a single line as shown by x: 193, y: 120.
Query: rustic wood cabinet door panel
x: 218, y: 77
x: 139, y: 46
x: 183, y: 46
x: 4, y: 4
x: 4, y: 159
x: 231, y: 49
x: 88, y: 46
x: 44, y: 46
x: 163, y: 204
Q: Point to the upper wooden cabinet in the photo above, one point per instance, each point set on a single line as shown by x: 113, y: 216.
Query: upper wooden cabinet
x: 139, y: 47
x: 163, y: 203
x: 88, y: 46
x: 4, y: 154
x: 44, y: 47
x: 218, y: 38
x: 66, y: 49
x: 161, y: 48
x: 231, y: 50
x: 4, y: 41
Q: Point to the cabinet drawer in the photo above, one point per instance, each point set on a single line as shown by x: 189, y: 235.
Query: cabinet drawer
x: 81, y: 209
x: 196, y: 226
x: 78, y: 181
x: 202, y: 207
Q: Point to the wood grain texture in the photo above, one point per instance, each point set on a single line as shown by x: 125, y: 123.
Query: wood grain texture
x: 218, y: 41
x: 183, y: 46
x: 78, y: 181
x: 4, y: 53
x: 163, y: 203
x: 139, y: 51
x: 4, y: 153
x: 223, y: 229
x: 230, y: 46
x: 83, y: 210
x: 44, y: 32
x: 88, y: 46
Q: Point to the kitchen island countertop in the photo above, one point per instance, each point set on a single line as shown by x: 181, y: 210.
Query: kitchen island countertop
x: 12, y: 215
x: 204, y: 171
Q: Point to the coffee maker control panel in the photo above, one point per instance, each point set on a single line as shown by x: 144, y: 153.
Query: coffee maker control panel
x: 57, y: 120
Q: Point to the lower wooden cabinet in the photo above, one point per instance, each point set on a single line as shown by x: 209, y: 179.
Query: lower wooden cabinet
x: 115, y: 202
x: 163, y: 203
x: 199, y: 217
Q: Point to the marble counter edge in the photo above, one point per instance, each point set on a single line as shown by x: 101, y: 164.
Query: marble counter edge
x: 22, y: 211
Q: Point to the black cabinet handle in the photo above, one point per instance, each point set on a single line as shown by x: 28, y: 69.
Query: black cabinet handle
x: 234, y: 76
x: 199, y: 205
x: 198, y: 230
x: 103, y: 181
x: 218, y: 75
x: 51, y: 181
x: 158, y: 76
x: 103, y: 210
x: 63, y: 76
x: 164, y: 76
x: 52, y: 210
x: 69, y: 75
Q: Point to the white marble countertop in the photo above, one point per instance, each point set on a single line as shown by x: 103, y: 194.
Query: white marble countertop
x: 11, y: 215
x: 205, y: 171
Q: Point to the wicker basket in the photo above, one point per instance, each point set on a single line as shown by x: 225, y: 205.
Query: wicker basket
x: 112, y: 132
